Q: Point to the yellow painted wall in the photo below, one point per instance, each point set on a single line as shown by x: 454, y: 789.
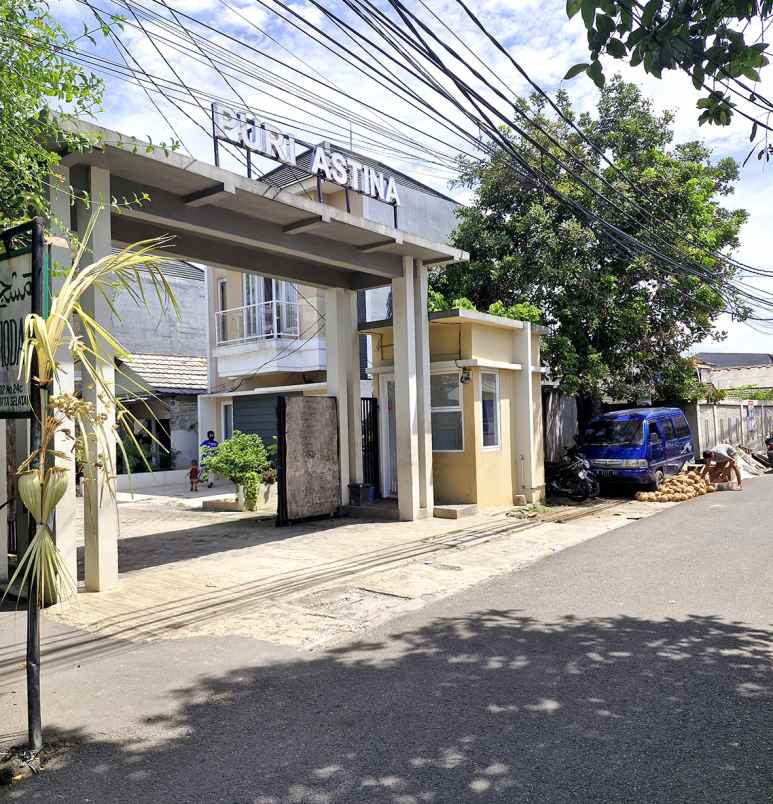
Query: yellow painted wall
x: 448, y: 342
x: 234, y: 288
x: 454, y: 473
x: 492, y: 343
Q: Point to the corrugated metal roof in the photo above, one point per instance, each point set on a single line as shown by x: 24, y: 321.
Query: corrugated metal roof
x: 734, y: 359
x: 285, y: 175
x: 171, y: 374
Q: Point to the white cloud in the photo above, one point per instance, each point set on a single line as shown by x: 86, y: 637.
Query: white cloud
x: 535, y: 32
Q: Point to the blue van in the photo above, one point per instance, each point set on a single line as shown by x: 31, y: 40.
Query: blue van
x: 640, y: 445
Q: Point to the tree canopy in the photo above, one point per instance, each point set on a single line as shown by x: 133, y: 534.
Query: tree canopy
x: 39, y: 89
x: 718, y: 43
x: 619, y: 324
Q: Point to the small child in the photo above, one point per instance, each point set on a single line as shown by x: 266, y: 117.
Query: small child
x: 193, y: 474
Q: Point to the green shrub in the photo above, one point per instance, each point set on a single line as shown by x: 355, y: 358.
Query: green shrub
x: 520, y: 311
x: 462, y: 303
x: 250, y: 484
x: 237, y: 456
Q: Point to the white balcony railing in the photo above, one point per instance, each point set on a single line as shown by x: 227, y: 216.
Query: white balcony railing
x: 255, y: 322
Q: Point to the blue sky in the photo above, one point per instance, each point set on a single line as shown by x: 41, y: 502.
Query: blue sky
x: 536, y: 33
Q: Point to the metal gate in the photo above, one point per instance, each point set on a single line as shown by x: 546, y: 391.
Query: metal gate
x: 370, y: 458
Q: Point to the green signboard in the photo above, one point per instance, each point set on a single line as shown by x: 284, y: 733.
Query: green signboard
x: 21, y: 273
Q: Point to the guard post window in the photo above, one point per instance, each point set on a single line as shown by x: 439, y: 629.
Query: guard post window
x: 446, y: 402
x: 489, y: 398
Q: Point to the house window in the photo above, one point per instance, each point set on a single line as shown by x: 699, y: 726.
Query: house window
x: 489, y: 398
x: 228, y: 420
x: 446, y: 402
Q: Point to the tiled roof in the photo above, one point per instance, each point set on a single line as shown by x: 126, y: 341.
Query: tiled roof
x: 171, y: 374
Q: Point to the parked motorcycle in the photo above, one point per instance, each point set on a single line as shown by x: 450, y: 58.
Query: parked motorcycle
x: 572, y: 478
x: 769, y: 448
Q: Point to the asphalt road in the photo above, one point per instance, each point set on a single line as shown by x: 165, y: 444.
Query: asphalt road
x: 636, y: 667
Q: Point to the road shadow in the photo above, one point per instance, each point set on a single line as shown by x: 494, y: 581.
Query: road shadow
x: 489, y: 707
x: 157, y: 548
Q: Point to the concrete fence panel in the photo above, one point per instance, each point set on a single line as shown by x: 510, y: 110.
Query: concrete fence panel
x: 729, y: 422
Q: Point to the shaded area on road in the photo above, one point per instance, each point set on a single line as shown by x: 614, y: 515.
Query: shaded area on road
x: 490, y: 706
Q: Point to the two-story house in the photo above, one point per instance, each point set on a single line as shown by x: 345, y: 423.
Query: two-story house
x: 266, y: 337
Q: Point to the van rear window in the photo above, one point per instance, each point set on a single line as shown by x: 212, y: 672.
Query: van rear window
x: 606, y: 432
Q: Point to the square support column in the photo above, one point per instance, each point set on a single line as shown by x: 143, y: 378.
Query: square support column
x: 353, y: 390
x: 526, y: 418
x: 423, y: 402
x: 406, y: 398
x: 64, y: 383
x: 343, y: 377
x: 100, y: 508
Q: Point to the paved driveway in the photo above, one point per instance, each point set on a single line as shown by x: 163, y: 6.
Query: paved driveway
x: 634, y: 667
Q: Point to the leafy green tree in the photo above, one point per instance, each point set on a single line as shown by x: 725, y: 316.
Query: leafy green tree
x: 619, y: 324
x: 39, y: 90
x: 718, y: 43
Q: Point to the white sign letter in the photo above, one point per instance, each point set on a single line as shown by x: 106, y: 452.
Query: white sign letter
x: 320, y: 162
x: 391, y: 193
x: 375, y: 185
x: 338, y: 168
x: 354, y: 173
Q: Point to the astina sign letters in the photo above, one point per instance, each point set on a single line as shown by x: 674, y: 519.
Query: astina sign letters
x: 261, y: 137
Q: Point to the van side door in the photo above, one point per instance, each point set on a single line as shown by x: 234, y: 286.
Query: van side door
x: 684, y: 437
x: 673, y: 450
x: 656, y: 447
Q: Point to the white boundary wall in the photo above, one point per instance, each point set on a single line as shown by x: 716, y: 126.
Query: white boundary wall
x: 727, y: 422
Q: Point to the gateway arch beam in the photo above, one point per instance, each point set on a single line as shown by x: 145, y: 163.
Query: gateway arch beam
x: 220, y: 253
x: 169, y: 211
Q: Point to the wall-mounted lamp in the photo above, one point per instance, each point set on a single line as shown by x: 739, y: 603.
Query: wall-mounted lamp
x: 466, y: 376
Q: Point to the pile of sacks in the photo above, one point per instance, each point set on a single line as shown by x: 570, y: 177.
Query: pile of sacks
x: 677, y: 489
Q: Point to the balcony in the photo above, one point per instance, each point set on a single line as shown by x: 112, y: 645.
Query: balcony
x: 257, y: 322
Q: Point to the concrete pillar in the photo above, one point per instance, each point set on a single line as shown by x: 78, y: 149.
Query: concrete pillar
x: 423, y: 402
x: 211, y: 324
x: 64, y: 383
x: 100, y: 508
x: 526, y: 420
x: 406, y: 399
x: 353, y: 389
x: 342, y: 349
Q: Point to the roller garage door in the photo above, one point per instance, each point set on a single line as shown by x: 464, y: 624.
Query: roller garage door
x: 257, y: 414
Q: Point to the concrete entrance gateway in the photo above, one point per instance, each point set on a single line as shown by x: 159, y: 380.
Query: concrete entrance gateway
x: 222, y: 219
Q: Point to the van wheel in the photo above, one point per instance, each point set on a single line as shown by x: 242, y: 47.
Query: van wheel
x: 658, y: 481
